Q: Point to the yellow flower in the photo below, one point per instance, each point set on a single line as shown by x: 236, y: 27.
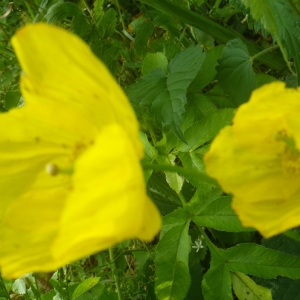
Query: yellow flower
x: 71, y: 183
x: 257, y: 159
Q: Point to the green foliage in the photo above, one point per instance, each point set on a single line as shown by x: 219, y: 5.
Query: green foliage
x: 235, y: 72
x: 186, y: 65
x: 276, y: 16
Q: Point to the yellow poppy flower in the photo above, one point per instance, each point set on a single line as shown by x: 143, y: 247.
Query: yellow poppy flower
x: 257, y: 159
x: 71, y: 183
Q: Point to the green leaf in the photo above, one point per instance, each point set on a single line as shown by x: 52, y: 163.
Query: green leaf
x: 161, y: 193
x: 208, y: 70
x: 59, y: 11
x: 172, y: 279
x: 84, y: 286
x: 219, y: 32
x: 174, y: 180
x: 235, y: 72
x: 12, y: 99
x: 216, y: 284
x: 277, y: 17
x: 19, y: 286
x: 166, y: 95
x: 153, y: 61
x: 262, y: 262
x: 205, y: 130
x: 107, y: 23
x: 176, y: 218
x: 219, y: 215
x: 219, y: 98
x: 98, y: 8
x: 246, y: 289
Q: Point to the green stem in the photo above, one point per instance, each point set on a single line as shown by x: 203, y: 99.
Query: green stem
x: 292, y: 235
x: 115, y: 273
x: 120, y: 14
x: 220, y: 33
x: 182, y: 199
x: 264, y: 52
x: 3, y: 288
x: 188, y: 174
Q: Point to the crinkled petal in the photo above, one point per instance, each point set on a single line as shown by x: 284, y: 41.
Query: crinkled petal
x: 60, y: 67
x: 108, y: 203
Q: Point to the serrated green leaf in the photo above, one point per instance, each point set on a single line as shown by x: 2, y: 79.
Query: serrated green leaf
x: 216, y: 284
x: 277, y: 17
x: 204, y: 104
x: 219, y: 215
x: 218, y: 97
x: 235, y: 72
x: 84, y: 286
x: 176, y: 218
x: 172, y: 278
x: 154, y: 61
x: 107, y: 23
x: 246, y: 289
x: 59, y: 11
x: 143, y: 31
x: 207, y: 71
x: 19, y: 286
x: 205, y: 130
x: 98, y: 8
x: 166, y: 95
x: 262, y: 262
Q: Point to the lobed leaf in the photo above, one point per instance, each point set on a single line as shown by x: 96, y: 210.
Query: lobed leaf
x: 172, y: 279
x: 235, y: 72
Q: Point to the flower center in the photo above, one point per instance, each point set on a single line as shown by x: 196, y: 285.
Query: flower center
x: 291, y: 156
x: 291, y: 162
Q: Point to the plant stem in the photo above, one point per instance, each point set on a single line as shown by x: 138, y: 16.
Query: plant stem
x: 120, y: 14
x: 115, y: 272
x: 188, y: 174
x: 182, y: 199
x: 264, y: 52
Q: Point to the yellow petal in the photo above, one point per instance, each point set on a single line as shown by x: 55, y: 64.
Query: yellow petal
x: 29, y: 224
x: 269, y: 217
x: 257, y: 159
x: 58, y: 66
x: 108, y: 203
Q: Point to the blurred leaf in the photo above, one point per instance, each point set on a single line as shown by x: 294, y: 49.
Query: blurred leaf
x: 12, y: 99
x: 19, y: 286
x: 153, y: 61
x: 84, y: 286
x: 277, y: 17
x: 208, y: 70
x: 246, y: 289
x: 107, y: 23
x: 235, y: 72
x: 172, y: 278
x: 205, y: 130
x: 61, y: 10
